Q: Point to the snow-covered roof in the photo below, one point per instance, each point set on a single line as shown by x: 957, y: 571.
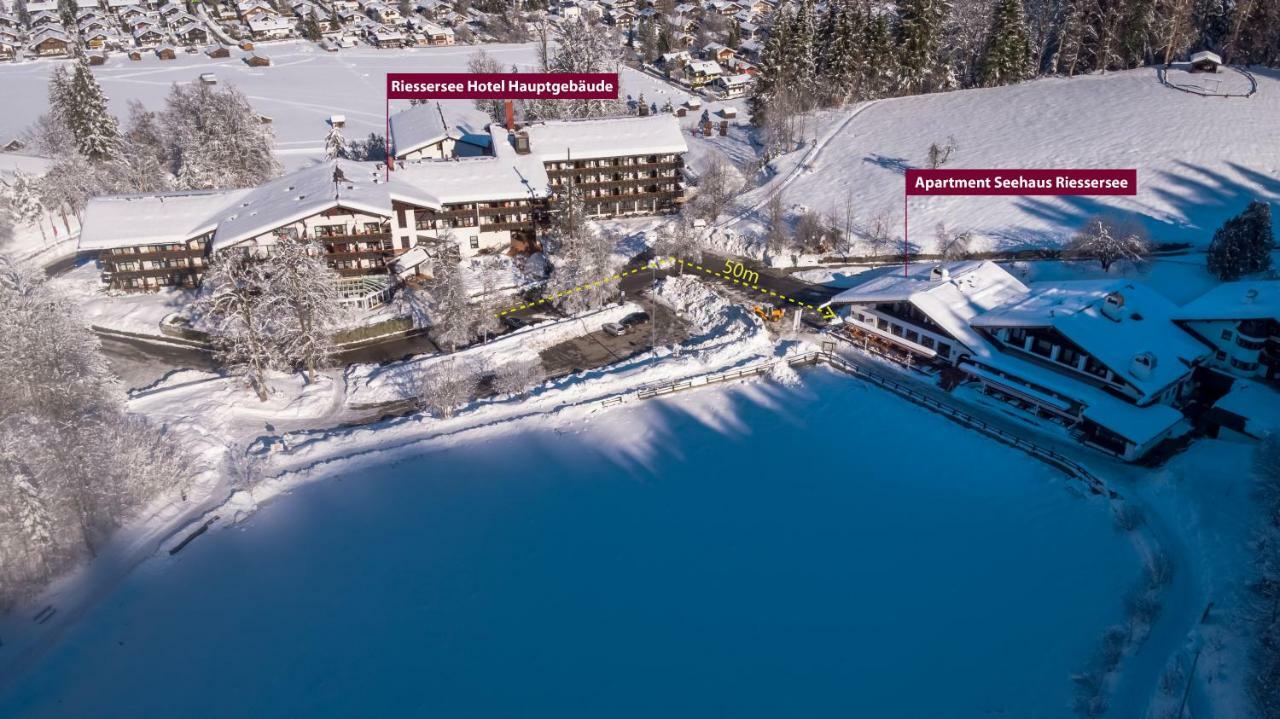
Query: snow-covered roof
x: 1245, y: 300
x: 735, y: 80
x: 503, y: 176
x: 705, y: 67
x: 157, y: 219
x: 418, y: 127
x: 1115, y: 321
x: 1206, y: 55
x: 610, y: 137
x: 1257, y: 403
x: 951, y: 294
x: 300, y: 195
x: 1137, y: 424
x: 269, y: 22
x: 41, y: 5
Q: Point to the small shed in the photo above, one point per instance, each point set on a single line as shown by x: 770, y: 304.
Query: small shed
x: 1205, y: 61
x: 135, y: 54
x: 256, y: 60
x: 693, y: 103
x: 728, y: 112
x: 164, y: 52
x: 96, y: 58
x: 218, y: 51
x: 338, y: 120
x: 208, y: 78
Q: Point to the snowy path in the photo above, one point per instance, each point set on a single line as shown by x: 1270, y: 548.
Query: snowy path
x: 806, y: 164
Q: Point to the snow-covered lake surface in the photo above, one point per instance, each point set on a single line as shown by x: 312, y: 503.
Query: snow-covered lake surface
x: 756, y: 550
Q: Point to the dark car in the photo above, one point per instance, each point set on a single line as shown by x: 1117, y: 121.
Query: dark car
x: 515, y: 323
x: 635, y: 318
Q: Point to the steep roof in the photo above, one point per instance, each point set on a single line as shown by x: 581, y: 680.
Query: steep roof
x: 418, y: 127
x: 950, y: 293
x: 608, y: 137
x: 300, y: 195
x: 1113, y: 333
x: 159, y: 219
x: 1246, y: 300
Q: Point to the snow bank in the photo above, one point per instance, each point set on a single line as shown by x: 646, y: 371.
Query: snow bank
x: 370, y: 384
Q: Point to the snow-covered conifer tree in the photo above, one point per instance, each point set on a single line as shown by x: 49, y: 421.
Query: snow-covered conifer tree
x: 920, y: 35
x: 1243, y: 244
x: 1008, y: 55
x: 96, y: 131
x: 335, y: 145
x: 452, y: 316
x: 25, y: 201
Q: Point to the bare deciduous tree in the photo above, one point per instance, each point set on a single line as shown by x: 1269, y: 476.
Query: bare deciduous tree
x: 1109, y: 241
x: 447, y: 385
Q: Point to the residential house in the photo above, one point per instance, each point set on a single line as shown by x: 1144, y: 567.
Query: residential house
x: 270, y: 26
x: 1241, y: 322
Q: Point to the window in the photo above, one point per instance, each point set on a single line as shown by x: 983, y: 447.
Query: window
x: 1226, y: 334
x: 475, y: 242
x: 944, y: 350
x: 912, y: 336
x: 1242, y: 365
x: 1250, y: 344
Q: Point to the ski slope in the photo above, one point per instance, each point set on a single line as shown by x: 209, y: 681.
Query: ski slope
x: 1199, y: 159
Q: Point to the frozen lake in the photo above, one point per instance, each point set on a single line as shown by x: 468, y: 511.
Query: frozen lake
x: 825, y: 550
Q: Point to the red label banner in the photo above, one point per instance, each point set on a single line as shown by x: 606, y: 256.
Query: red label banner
x: 1022, y: 182
x: 502, y: 86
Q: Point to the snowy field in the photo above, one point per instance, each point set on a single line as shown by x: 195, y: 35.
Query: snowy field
x: 1199, y: 159
x: 598, y: 569
x: 302, y: 88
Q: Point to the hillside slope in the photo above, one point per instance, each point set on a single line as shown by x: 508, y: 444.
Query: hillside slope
x: 1199, y: 159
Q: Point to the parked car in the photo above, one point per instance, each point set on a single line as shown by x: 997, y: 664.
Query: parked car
x: 515, y: 323
x: 616, y: 329
x: 635, y: 318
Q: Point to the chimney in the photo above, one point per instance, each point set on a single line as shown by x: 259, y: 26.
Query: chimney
x: 511, y: 114
x: 522, y: 143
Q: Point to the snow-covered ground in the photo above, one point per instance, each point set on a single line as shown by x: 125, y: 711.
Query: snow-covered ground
x: 302, y: 88
x: 1199, y: 159
x: 594, y: 566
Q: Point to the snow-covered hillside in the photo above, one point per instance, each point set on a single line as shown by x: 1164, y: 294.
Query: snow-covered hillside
x: 1199, y: 159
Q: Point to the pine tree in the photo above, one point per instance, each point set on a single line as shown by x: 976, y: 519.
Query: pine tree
x: 96, y: 131
x: 880, y: 70
x: 1008, y: 56
x: 335, y: 145
x: 25, y: 202
x: 920, y: 34
x: 1243, y: 245
x: 452, y: 319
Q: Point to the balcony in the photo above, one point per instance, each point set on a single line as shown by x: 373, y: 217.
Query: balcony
x: 127, y: 254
